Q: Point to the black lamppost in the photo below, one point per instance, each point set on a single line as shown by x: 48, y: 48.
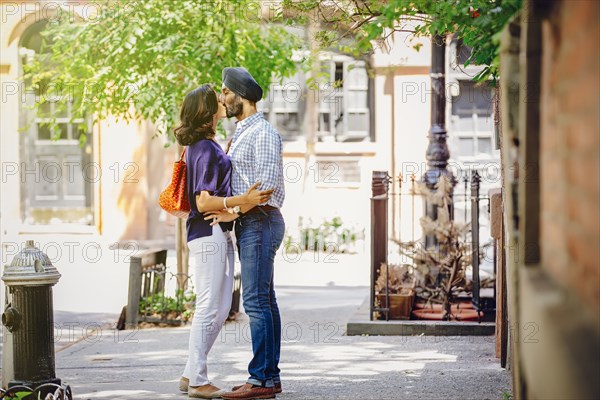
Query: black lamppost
x: 437, y: 151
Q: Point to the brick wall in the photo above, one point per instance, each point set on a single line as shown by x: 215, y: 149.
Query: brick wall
x: 570, y: 148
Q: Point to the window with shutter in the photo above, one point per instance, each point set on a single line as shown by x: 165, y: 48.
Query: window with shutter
x: 471, y: 121
x: 343, y: 103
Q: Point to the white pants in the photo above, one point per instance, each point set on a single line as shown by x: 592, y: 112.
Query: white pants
x: 213, y: 284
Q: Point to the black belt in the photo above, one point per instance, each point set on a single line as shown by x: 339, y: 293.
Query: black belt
x: 262, y: 209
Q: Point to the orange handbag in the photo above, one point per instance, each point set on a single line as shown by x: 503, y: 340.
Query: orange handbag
x: 174, y: 199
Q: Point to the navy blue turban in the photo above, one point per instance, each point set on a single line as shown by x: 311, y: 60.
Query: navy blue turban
x: 240, y: 82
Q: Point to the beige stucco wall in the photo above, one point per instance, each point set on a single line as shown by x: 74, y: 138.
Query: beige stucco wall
x: 402, y: 95
x: 9, y: 111
x: 94, y: 272
x: 123, y: 170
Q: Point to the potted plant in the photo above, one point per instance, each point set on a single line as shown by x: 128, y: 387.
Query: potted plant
x: 394, y: 290
x: 440, y: 269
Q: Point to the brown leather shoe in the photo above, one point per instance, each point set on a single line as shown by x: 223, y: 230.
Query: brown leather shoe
x: 207, y: 391
x: 248, y: 391
x: 278, y: 388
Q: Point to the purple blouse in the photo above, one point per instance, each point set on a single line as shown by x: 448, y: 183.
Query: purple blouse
x: 209, y: 169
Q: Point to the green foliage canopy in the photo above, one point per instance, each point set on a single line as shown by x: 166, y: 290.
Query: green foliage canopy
x: 477, y: 23
x: 138, y: 59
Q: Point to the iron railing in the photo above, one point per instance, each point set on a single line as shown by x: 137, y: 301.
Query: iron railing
x: 148, y: 300
x: 395, y: 218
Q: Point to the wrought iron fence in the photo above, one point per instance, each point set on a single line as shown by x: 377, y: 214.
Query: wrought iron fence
x: 158, y: 306
x: 396, y: 208
x: 149, y: 300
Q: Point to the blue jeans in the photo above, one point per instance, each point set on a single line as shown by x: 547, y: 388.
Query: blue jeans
x: 258, y: 239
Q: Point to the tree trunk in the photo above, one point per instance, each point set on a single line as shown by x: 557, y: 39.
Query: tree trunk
x: 312, y: 111
x: 181, y: 248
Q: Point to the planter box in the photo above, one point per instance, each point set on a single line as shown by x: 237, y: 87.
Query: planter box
x: 400, y: 305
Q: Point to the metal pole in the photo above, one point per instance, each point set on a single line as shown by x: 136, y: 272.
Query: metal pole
x: 437, y: 154
x: 379, y: 227
x: 390, y: 77
x: 475, y: 180
x: 400, y: 177
x: 412, y: 194
x: 465, y: 197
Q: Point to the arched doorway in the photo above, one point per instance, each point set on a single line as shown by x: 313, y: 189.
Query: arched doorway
x: 57, y: 169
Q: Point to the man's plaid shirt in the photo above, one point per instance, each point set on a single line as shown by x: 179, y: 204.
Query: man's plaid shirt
x: 257, y: 158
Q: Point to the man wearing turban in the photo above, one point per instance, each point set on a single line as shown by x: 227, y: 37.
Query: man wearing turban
x: 256, y: 156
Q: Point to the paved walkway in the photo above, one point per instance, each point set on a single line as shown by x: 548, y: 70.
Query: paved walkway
x: 318, y: 293
x: 318, y: 360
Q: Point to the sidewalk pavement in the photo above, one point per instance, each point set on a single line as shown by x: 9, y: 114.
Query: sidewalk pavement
x: 318, y: 361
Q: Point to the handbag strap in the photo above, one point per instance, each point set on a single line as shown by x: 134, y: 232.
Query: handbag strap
x: 182, y: 154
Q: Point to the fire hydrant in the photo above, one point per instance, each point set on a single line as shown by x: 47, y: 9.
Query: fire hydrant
x: 29, y: 317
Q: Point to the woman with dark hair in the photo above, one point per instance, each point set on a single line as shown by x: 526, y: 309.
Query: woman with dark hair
x: 208, y: 188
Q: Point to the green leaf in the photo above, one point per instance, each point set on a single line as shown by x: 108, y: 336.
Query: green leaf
x: 369, y: 20
x: 164, y: 49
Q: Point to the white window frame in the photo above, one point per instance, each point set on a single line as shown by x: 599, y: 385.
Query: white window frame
x: 331, y: 179
x: 454, y: 135
x: 329, y: 98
